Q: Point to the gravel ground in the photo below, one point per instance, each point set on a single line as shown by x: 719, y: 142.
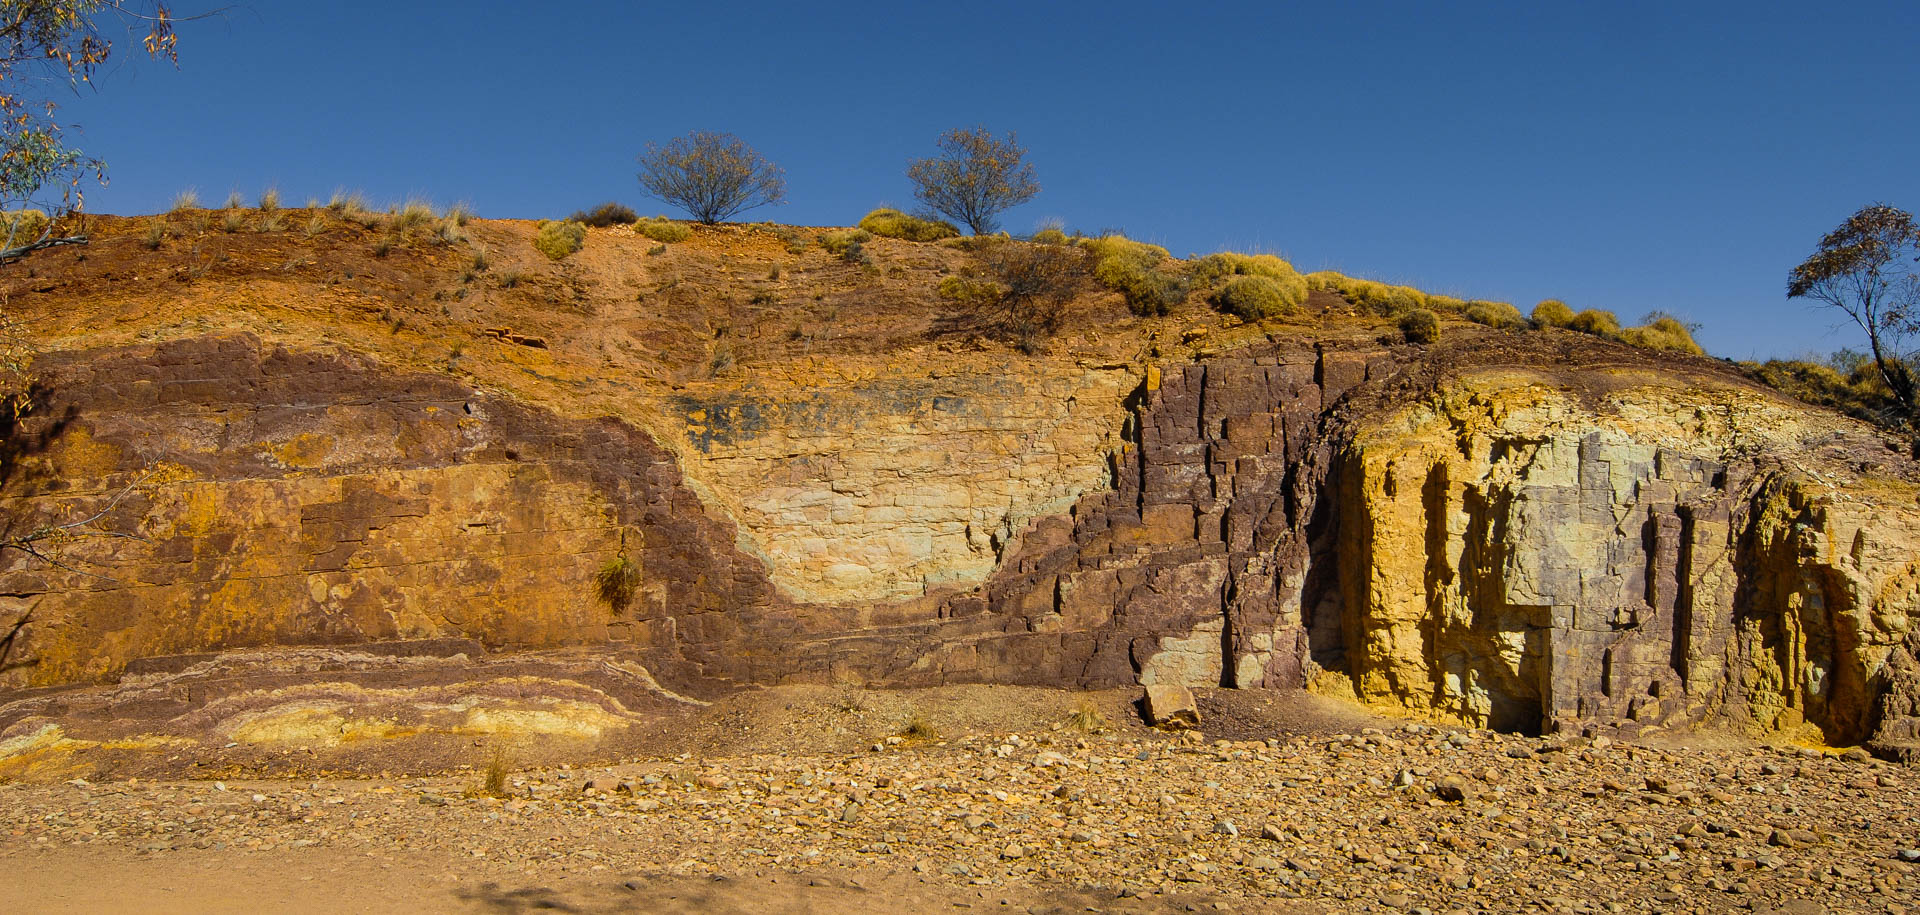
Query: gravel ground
x: 1404, y: 818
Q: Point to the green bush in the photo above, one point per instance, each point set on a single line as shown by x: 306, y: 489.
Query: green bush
x: 663, y: 230
x: 1256, y: 297
x: 892, y: 223
x: 559, y: 239
x: 1596, y: 322
x: 605, y: 215
x: 1664, y: 332
x: 1501, y: 315
x: 1420, y: 326
x: 1552, y: 313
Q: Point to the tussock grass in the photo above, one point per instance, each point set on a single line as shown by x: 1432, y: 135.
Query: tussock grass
x: 1383, y: 299
x: 1663, y: 332
x: 1552, y: 313
x: 347, y: 203
x: 842, y: 241
x: 412, y: 214
x: 1420, y: 326
x: 186, y: 200
x: 558, y: 240
x: 1255, y: 297
x: 1132, y: 268
x: 1596, y: 322
x: 918, y: 728
x: 665, y: 231
x: 1253, y: 286
x: 617, y: 581
x: 892, y: 223
x: 1086, y: 719
x: 1500, y: 315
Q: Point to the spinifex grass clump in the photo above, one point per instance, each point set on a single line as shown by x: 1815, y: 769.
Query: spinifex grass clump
x: 557, y: 240
x: 1552, y: 313
x: 1420, y: 326
x: 1132, y: 268
x: 1662, y: 332
x: 1596, y: 322
x: 891, y: 223
x: 1500, y: 315
x: 1253, y: 286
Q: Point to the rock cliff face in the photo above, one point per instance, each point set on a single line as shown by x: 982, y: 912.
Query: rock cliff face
x: 1519, y: 555
x: 1477, y: 533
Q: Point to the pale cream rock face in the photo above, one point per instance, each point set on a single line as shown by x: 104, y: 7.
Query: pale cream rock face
x: 890, y: 488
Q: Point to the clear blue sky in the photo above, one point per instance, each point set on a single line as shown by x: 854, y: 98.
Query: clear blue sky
x: 1628, y: 156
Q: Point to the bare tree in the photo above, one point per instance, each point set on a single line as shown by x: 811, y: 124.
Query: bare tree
x: 712, y: 176
x: 975, y: 178
x: 1865, y: 268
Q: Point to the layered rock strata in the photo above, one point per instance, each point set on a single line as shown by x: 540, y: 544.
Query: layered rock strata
x: 1503, y: 542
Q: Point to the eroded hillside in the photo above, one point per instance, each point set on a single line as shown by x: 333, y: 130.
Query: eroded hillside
x: 334, y: 434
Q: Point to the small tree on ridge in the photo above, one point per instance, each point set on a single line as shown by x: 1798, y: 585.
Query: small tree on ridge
x: 974, y: 178
x: 712, y: 176
x: 1866, y: 269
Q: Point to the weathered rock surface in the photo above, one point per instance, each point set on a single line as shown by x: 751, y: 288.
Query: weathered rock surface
x: 1477, y: 535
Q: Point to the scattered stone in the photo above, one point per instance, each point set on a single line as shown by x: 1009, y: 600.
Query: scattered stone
x: 1171, y: 706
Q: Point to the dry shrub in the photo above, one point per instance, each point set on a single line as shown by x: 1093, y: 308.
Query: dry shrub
x: 606, y: 215
x: 1033, y: 285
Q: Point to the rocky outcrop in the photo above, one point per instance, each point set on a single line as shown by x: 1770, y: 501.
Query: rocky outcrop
x: 1473, y: 534
x: 1522, y: 555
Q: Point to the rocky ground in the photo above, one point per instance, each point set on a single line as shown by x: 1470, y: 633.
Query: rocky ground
x: 1079, y: 815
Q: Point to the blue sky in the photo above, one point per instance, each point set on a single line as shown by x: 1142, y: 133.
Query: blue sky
x: 1631, y: 156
